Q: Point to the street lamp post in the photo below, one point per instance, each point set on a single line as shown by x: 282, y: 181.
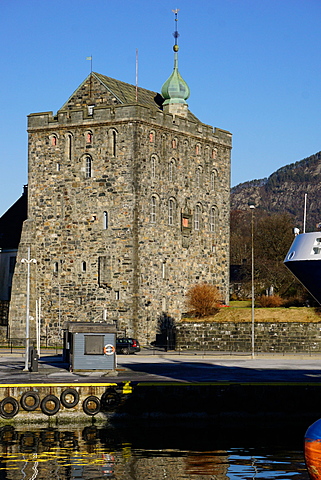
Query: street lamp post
x: 28, y: 261
x: 252, y: 207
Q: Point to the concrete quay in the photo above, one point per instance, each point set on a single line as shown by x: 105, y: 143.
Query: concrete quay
x: 157, y: 384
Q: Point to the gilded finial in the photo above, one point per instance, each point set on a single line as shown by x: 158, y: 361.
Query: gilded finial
x: 176, y: 34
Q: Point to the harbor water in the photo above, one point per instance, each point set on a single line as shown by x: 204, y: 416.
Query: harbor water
x: 150, y: 449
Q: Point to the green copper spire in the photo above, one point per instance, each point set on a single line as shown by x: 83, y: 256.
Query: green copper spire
x: 175, y: 90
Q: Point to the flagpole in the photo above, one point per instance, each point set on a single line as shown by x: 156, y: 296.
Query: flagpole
x: 91, y: 63
x: 136, y: 75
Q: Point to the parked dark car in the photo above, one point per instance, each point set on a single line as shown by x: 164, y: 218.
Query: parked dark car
x: 127, y: 345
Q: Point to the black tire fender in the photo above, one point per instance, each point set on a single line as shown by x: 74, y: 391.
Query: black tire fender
x: 73, y: 393
x: 87, y: 402
x: 44, y: 406
x: 110, y: 399
x: 15, y: 407
x: 24, y: 401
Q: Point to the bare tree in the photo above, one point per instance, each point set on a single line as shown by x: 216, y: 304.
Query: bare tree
x: 203, y: 299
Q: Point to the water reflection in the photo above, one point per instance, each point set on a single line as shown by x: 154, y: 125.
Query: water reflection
x: 140, y: 452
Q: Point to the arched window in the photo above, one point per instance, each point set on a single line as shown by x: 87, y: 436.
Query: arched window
x: 53, y: 140
x: 207, y: 153
x: 69, y: 146
x: 105, y: 220
x: 89, y: 137
x: 197, y: 217
x: 213, y: 219
x: 112, y: 142
x: 198, y: 176
x: 198, y: 149
x: 171, y: 170
x: 213, y: 180
x: 152, y: 136
x: 88, y: 167
x: 214, y: 153
x: 83, y: 267
x: 164, y: 270
x: 153, y: 204
x: 153, y: 166
x: 55, y: 267
x: 174, y: 143
x: 171, y: 211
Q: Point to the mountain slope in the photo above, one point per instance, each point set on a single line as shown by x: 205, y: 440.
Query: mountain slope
x: 284, y: 191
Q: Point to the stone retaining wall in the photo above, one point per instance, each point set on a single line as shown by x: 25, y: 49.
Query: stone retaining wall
x: 237, y: 337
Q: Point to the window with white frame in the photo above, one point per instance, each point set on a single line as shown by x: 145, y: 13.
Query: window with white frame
x: 198, y: 175
x: 153, y: 166
x: 171, y: 170
x: 197, y: 217
x: 88, y: 166
x: 213, y: 180
x: 105, y: 219
x: 163, y: 270
x: 153, y: 204
x: 213, y: 216
x: 171, y: 209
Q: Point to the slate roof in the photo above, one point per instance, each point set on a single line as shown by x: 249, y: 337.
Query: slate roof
x: 125, y: 93
x: 11, y: 222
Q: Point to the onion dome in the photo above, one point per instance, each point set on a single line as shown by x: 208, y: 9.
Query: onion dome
x: 175, y: 90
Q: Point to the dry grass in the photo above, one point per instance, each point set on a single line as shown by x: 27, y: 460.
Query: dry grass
x: 272, y: 315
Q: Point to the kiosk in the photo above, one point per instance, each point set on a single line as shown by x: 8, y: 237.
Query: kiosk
x: 90, y: 346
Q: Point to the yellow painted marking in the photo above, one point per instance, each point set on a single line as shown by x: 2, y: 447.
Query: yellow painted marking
x: 70, y: 385
x: 127, y: 388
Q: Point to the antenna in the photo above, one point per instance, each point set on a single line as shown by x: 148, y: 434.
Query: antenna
x: 305, y: 211
x: 136, y: 75
x: 91, y: 71
x: 176, y: 34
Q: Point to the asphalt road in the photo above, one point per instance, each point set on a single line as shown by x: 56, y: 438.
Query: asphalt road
x: 151, y: 366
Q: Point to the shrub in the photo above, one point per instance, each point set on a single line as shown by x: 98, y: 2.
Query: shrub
x: 203, y: 299
x: 270, y: 301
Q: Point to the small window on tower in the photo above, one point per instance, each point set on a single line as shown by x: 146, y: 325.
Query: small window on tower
x: 89, y: 137
x: 88, y: 167
x: 105, y: 220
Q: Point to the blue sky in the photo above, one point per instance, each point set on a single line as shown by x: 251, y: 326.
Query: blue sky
x: 253, y: 68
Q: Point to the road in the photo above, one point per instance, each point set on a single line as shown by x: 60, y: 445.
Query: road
x: 156, y: 366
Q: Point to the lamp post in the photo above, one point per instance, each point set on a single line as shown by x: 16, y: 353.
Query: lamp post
x: 252, y: 207
x: 28, y: 261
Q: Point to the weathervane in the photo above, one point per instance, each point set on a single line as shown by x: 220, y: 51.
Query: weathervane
x: 176, y: 34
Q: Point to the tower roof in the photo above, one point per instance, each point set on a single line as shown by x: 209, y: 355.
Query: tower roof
x: 175, y: 90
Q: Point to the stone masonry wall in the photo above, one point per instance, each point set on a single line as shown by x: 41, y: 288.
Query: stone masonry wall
x: 236, y: 337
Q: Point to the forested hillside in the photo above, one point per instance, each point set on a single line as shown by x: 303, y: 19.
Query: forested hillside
x: 284, y: 191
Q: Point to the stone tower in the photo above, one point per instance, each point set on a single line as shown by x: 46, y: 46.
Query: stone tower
x: 128, y: 206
